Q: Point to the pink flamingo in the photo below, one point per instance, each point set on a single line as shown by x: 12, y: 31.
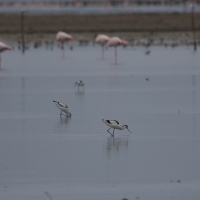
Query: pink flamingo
x: 3, y: 47
x: 102, y: 40
x: 114, y: 42
x: 62, y: 37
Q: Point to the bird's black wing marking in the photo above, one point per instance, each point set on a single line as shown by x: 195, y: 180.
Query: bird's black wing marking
x: 112, y: 121
x: 62, y: 105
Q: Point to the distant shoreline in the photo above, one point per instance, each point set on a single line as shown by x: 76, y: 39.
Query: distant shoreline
x: 137, y: 29
x: 49, y: 24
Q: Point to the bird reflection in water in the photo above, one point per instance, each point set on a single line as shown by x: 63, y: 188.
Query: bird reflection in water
x: 79, y: 92
x: 64, y: 120
x: 62, y: 125
x: 116, y: 144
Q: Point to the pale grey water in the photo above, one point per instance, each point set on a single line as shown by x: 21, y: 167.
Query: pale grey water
x: 75, y: 158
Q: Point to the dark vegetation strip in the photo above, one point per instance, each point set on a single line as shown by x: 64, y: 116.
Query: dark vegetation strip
x: 10, y: 23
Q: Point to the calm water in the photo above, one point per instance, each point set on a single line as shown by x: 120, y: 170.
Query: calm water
x: 157, y: 96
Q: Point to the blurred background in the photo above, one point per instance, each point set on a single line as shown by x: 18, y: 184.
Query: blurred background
x: 149, y: 81
x: 94, y: 16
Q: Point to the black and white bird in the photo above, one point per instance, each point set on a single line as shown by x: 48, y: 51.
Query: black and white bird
x: 79, y: 83
x: 64, y: 108
x: 114, y: 124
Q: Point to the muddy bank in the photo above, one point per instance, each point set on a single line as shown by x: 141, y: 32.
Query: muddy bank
x: 47, y: 24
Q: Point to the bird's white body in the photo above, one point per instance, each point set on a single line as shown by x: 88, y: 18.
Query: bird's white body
x: 62, y: 36
x: 79, y: 83
x: 63, y: 107
x: 114, y: 124
x: 102, y: 39
x: 116, y: 41
x: 4, y: 47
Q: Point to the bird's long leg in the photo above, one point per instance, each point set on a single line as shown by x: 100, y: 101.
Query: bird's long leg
x: 0, y: 60
x: 108, y: 129
x: 102, y: 51
x: 63, y: 50
x: 113, y: 132
x: 62, y: 113
x: 67, y: 114
x: 115, y: 55
x: 110, y: 132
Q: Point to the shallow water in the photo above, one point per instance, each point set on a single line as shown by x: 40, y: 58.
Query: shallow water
x: 156, y: 95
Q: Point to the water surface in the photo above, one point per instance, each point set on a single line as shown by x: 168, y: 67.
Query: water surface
x: 156, y: 95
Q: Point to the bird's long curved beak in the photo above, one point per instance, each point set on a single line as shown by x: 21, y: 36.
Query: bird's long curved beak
x: 129, y: 130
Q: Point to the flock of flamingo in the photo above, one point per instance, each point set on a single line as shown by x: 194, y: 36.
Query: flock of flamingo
x: 62, y: 37
x: 100, y: 39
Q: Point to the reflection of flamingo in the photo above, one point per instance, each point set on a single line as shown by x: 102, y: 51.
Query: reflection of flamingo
x: 3, y: 47
x: 114, y: 42
x: 102, y: 40
x: 114, y: 124
x: 62, y: 37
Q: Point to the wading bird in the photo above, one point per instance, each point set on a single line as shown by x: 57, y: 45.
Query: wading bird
x: 79, y: 83
x: 3, y: 47
x: 64, y: 108
x: 115, y: 42
x: 102, y: 40
x: 114, y: 124
x: 62, y: 37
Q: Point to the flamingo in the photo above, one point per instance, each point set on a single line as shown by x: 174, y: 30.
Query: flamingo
x: 102, y: 40
x: 3, y: 47
x: 62, y: 37
x: 114, y: 42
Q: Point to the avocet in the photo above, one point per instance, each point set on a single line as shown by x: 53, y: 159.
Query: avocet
x: 64, y: 108
x: 79, y: 83
x: 114, y: 124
